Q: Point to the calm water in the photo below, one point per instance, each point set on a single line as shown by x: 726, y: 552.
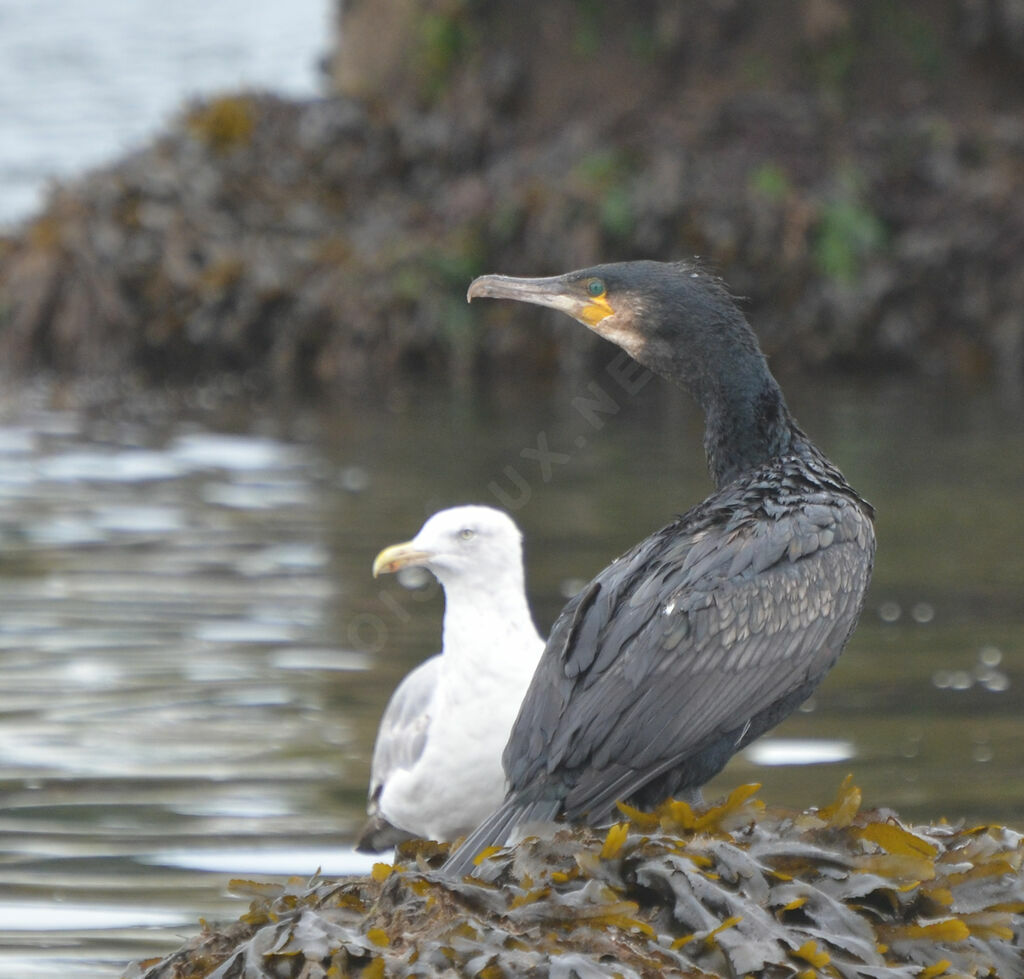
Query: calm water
x: 193, y: 655
x: 81, y: 83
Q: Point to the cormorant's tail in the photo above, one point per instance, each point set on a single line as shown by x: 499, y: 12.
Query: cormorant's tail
x: 496, y: 829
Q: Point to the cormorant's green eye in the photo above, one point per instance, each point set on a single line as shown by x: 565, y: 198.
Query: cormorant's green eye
x: 595, y: 288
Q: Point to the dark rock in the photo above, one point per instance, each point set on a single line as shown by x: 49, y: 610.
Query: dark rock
x: 853, y: 170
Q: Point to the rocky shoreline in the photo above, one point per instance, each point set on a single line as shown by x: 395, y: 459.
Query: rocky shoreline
x: 326, y: 244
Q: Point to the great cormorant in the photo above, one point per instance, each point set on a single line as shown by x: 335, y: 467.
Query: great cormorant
x: 712, y: 630
x: 436, y: 768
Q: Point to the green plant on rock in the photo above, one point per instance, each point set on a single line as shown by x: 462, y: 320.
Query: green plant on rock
x: 914, y: 36
x: 224, y: 123
x: 832, y: 64
x: 605, y: 176
x: 589, y: 28
x: 847, y: 234
x: 443, y: 41
x: 456, y: 263
x: 879, y: 35
x: 459, y: 262
x: 771, y: 180
x: 643, y: 43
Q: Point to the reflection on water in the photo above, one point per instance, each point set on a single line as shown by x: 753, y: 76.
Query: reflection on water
x: 292, y: 862
x: 193, y: 655
x: 793, y: 751
x: 81, y: 83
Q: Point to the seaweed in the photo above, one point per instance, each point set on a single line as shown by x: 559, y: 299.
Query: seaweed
x: 734, y: 889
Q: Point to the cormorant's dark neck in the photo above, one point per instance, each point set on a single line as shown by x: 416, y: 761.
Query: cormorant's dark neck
x: 720, y: 363
x: 746, y: 425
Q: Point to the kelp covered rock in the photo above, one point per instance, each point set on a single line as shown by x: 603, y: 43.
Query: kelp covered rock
x: 736, y: 890
x: 856, y: 175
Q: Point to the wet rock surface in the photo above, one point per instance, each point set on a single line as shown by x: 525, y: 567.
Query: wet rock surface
x: 852, y: 170
x: 732, y: 890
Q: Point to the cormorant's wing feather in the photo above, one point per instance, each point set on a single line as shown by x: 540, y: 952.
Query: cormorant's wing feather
x: 704, y: 625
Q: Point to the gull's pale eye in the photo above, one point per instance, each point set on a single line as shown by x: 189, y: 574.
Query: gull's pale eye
x: 595, y: 288
x: 467, y: 533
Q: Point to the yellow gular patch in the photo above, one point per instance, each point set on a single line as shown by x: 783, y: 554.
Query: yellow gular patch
x: 596, y: 311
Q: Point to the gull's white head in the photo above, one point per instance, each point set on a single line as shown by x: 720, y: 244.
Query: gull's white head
x: 467, y: 540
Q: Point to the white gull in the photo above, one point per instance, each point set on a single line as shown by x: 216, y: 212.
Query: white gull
x: 436, y: 770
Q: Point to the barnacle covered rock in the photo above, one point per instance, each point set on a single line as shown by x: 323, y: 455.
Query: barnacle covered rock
x: 732, y: 890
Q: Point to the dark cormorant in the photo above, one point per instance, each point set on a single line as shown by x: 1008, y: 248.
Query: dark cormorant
x: 712, y: 630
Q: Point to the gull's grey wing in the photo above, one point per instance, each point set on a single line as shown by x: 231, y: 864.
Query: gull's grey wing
x: 404, y: 727
x: 401, y: 738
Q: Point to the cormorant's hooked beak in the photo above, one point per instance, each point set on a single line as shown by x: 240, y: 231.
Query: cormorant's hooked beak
x: 398, y: 556
x: 556, y: 292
